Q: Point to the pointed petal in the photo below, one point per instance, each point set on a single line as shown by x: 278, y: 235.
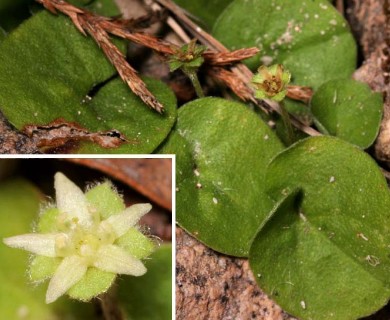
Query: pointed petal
x: 130, y: 216
x: 71, y: 200
x: 41, y: 244
x: 68, y: 273
x: 112, y: 258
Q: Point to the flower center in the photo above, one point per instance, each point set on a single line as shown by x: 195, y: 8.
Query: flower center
x: 77, y: 240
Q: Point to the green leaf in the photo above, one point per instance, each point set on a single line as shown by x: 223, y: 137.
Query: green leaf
x: 115, y: 106
x: 324, y: 255
x: 19, y: 298
x: 349, y: 110
x: 222, y: 150
x: 150, y: 297
x: 204, y: 10
x: 311, y: 39
x: 46, y: 74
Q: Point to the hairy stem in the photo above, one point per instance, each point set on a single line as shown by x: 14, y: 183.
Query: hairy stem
x: 195, y: 82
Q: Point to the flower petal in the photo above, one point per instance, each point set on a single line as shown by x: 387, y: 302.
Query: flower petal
x: 112, y: 258
x: 130, y: 216
x: 41, y: 244
x: 69, y: 272
x: 71, y: 200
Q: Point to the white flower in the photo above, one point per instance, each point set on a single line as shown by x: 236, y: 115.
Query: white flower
x: 82, y: 239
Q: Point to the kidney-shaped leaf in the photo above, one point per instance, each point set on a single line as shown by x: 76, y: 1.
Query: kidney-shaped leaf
x: 310, y: 38
x: 48, y: 68
x: 222, y: 150
x: 349, y: 110
x: 325, y: 255
x: 115, y: 106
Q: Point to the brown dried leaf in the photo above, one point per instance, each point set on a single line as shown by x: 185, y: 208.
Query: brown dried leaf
x: 150, y: 177
x: 60, y: 132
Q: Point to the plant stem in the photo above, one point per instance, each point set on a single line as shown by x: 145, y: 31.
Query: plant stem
x: 287, y: 123
x: 109, y: 306
x: 195, y: 82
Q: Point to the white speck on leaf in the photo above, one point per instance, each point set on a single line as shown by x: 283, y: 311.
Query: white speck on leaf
x: 372, y: 260
x: 362, y: 236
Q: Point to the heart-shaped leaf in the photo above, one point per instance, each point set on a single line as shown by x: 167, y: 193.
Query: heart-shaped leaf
x: 311, y: 39
x: 325, y: 255
x: 222, y: 150
x: 47, y: 74
x: 115, y: 106
x: 349, y: 110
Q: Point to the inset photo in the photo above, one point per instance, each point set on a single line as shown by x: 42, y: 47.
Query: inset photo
x: 86, y: 238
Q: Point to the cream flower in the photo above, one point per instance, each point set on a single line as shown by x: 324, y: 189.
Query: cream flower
x: 83, y: 240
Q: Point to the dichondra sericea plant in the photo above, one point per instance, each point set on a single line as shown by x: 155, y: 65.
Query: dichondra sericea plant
x: 84, y: 240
